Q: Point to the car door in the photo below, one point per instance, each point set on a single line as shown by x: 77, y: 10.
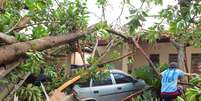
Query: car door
x: 124, y: 84
x: 103, y: 89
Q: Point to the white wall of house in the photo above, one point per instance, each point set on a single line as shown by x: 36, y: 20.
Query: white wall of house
x: 77, y: 59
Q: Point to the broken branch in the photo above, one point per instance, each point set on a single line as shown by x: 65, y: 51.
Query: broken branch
x: 7, y: 38
x: 131, y: 53
x: 146, y: 56
x: 135, y: 42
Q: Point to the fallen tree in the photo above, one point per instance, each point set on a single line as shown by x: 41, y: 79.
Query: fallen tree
x: 7, y: 39
x: 13, y: 51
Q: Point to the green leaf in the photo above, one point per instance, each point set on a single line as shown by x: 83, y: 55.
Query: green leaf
x: 173, y: 27
x: 3, y: 82
x: 180, y: 98
x: 39, y: 31
x: 101, y: 2
x: 130, y: 61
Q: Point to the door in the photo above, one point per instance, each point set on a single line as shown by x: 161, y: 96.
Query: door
x: 103, y: 89
x: 125, y: 85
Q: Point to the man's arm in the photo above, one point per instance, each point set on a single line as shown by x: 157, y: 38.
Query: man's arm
x: 190, y: 74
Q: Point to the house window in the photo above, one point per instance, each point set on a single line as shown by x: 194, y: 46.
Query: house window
x: 173, y: 58
x: 195, y: 62
x: 154, y: 58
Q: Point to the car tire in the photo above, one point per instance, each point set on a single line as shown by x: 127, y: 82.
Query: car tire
x: 91, y: 100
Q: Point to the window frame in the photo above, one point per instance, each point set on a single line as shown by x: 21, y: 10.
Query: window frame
x: 92, y: 82
x: 154, y: 56
x: 132, y: 79
x: 170, y: 57
x: 194, y: 64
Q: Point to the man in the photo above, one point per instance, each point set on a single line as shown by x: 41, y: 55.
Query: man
x: 169, y: 89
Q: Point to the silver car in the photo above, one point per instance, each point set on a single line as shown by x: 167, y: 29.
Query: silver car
x: 114, y: 87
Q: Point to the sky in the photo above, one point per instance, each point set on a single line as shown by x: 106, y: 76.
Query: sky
x: 113, y: 10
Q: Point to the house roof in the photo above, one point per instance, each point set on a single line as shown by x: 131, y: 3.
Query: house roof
x: 163, y: 39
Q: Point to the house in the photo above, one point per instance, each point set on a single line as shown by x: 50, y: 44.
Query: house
x: 162, y: 52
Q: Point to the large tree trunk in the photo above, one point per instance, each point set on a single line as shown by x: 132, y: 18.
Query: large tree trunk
x: 180, y: 50
x: 180, y: 56
x: 11, y: 52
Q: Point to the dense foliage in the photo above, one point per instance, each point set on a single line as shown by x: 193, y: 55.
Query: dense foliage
x: 30, y: 93
x: 147, y: 74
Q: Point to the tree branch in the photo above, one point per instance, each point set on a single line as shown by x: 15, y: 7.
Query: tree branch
x: 24, y: 26
x: 5, y: 69
x: 121, y: 12
x: 95, y: 47
x: 7, y: 38
x: 119, y: 58
x: 135, y: 42
x: 16, y: 87
x: 81, y: 53
x: 146, y: 56
x: 176, y: 44
x: 118, y: 34
x: 103, y: 13
x: 22, y: 21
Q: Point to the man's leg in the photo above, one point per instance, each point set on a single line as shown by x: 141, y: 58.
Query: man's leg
x: 166, y: 98
x: 173, y: 98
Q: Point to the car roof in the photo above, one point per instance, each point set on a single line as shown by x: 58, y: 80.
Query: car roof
x: 118, y: 71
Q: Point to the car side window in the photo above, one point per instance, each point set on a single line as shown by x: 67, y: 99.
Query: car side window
x: 84, y: 83
x: 121, y: 78
x: 102, y: 81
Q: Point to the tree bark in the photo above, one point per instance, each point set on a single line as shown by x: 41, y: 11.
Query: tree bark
x: 9, y: 67
x: 180, y: 50
x: 2, y: 6
x: 185, y: 60
x: 11, y: 52
x: 7, y: 38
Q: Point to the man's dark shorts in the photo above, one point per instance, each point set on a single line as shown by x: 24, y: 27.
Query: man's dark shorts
x: 170, y: 95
